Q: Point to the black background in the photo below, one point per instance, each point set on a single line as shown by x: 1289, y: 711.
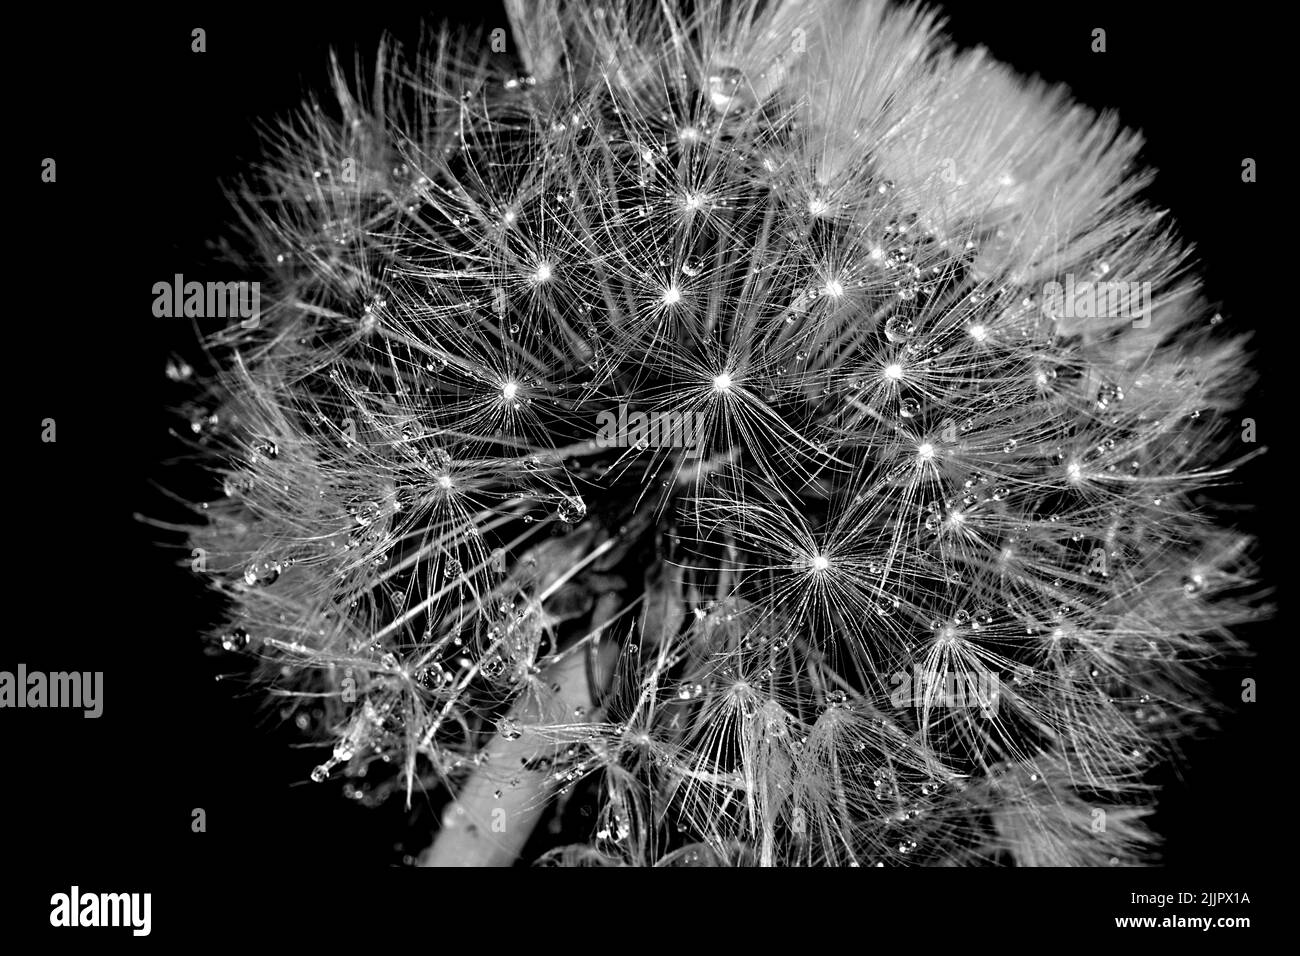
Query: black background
x: 143, y: 130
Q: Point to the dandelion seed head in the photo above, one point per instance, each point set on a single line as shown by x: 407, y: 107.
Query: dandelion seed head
x: 928, y: 445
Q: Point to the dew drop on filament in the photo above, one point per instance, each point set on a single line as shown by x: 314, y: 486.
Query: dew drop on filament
x: 1107, y: 395
x: 899, y: 328
x: 261, y: 573
x: 728, y: 91
x: 572, y: 509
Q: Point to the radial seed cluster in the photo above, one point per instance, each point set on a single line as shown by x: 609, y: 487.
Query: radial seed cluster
x: 700, y: 430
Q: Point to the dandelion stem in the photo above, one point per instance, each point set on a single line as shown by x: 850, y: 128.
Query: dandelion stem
x: 496, y: 810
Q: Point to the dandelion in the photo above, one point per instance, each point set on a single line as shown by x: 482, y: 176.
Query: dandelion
x: 930, y: 586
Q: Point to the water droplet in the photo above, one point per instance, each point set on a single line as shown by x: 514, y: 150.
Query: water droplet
x: 452, y: 815
x: 1108, y: 395
x: 261, y: 573
x: 508, y: 728
x: 728, y: 90
x: 899, y: 328
x: 365, y: 513
x: 434, y: 676
x: 621, y: 828
x: 1009, y: 445
x: 203, y: 421
x: 178, y: 370
x: 887, y: 607
x: 237, y: 484
x: 572, y: 509
x: 909, y: 408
